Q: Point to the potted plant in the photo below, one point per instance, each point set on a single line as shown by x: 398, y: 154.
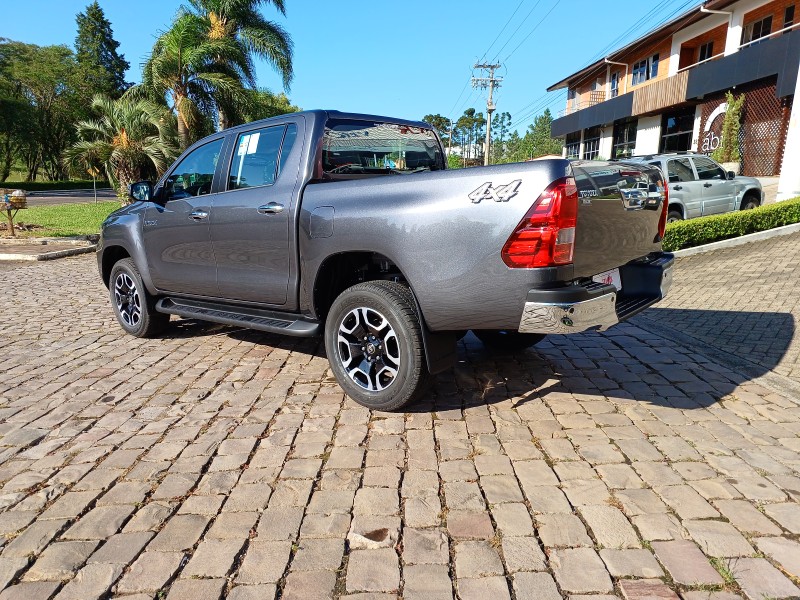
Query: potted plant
x: 727, y: 154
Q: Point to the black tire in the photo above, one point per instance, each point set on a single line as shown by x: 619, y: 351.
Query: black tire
x: 507, y: 341
x: 750, y: 201
x: 389, y: 371
x: 133, y: 306
x: 674, y: 216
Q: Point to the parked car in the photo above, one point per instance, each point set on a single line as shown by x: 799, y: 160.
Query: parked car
x: 699, y: 186
x: 350, y: 227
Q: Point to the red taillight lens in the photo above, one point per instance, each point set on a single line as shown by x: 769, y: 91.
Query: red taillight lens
x: 546, y: 235
x: 662, y: 222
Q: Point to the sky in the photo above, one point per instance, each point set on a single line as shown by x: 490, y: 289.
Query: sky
x: 401, y: 59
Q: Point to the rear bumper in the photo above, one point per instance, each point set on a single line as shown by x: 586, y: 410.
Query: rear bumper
x: 595, y: 306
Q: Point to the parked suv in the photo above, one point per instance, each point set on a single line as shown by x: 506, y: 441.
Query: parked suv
x: 698, y: 186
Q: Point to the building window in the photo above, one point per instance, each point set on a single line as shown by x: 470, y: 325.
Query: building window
x: 615, y: 84
x: 676, y: 131
x: 645, y: 69
x: 757, y: 30
x: 572, y: 144
x: 591, y: 142
x: 624, y: 138
x: 706, y: 52
x: 788, y: 17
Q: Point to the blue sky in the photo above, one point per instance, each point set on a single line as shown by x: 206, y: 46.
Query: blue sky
x: 403, y: 59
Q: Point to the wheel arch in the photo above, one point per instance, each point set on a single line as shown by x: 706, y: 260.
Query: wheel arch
x: 677, y: 207
x: 111, y: 256
x: 750, y: 193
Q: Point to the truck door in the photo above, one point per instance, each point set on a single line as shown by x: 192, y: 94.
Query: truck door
x: 250, y: 219
x: 718, y: 190
x: 176, y: 233
x: 684, y: 187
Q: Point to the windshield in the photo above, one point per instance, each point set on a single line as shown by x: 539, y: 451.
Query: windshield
x: 352, y: 149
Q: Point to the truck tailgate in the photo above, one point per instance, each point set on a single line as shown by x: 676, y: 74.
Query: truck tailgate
x: 619, y: 210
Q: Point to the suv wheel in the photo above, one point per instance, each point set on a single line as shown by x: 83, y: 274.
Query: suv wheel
x: 750, y: 202
x: 373, y: 339
x: 133, y: 306
x: 673, y: 216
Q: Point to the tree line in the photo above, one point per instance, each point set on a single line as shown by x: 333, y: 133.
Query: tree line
x: 69, y: 112
x: 465, y: 137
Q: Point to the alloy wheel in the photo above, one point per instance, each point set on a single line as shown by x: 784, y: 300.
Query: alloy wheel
x: 129, y: 302
x: 369, y: 349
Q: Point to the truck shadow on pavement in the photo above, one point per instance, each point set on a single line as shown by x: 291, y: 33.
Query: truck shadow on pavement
x: 672, y: 358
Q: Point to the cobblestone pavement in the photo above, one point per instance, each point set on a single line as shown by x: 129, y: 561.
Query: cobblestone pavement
x: 218, y: 462
x: 743, y: 301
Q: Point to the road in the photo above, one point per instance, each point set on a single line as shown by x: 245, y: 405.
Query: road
x: 69, y: 197
x: 216, y: 461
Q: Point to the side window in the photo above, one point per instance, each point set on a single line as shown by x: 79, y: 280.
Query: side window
x: 680, y: 170
x: 194, y: 174
x: 288, y: 144
x: 255, y: 161
x: 707, y: 169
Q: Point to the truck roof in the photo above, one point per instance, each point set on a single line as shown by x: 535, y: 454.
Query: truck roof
x: 335, y: 114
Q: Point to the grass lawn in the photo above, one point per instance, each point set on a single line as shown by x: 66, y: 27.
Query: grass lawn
x: 64, y: 220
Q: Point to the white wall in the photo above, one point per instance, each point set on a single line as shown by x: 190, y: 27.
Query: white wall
x: 789, y: 183
x: 648, y: 135
x: 606, y: 141
x: 698, y: 114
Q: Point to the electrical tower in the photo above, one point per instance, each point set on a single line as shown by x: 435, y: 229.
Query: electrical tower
x: 490, y: 82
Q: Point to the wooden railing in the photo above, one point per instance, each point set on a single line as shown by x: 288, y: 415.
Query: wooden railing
x: 574, y: 106
x: 660, y: 94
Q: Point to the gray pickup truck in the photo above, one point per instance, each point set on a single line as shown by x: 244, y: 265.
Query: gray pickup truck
x: 350, y: 227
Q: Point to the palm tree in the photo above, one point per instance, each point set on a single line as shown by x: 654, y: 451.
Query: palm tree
x: 242, y: 22
x: 189, y: 69
x: 130, y: 139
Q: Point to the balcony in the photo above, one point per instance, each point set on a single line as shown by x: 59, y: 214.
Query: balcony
x: 660, y: 94
x: 574, y: 106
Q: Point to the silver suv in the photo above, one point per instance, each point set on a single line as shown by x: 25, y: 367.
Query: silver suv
x: 698, y: 186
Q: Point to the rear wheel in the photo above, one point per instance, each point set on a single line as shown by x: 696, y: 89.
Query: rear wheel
x: 373, y: 339
x: 133, y: 306
x: 750, y: 202
x: 507, y: 341
x: 674, y: 216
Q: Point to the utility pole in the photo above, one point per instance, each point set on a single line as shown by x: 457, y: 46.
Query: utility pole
x: 491, y: 82
x: 450, y: 140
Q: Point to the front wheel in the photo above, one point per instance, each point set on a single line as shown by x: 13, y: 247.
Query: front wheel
x: 373, y: 339
x: 674, y: 216
x: 750, y: 202
x: 133, y: 306
x: 507, y: 341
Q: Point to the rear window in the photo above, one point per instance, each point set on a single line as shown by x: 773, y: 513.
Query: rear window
x: 353, y: 149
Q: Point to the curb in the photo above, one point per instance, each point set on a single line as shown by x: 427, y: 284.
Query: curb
x: 739, y: 241
x: 49, y: 255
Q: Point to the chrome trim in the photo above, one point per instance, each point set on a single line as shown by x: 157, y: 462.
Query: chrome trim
x: 541, y: 317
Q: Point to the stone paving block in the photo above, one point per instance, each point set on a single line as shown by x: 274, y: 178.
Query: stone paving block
x: 180, y: 533
x: 717, y: 538
x: 686, y: 502
x: 264, y: 562
x: 476, y: 559
x: 647, y: 589
x: 34, y: 538
x: 325, y: 526
x: 280, y: 523
x: 92, y: 581
x: 232, y: 525
x: 68, y: 506
x: 252, y: 592
x: 201, y: 505
x: 784, y: 551
x: 523, y: 554
x: 10, y: 568
x: 427, y: 582
x: 196, y: 589
x: 30, y: 590
x: 150, y: 572
x: 424, y: 546
x: 535, y: 586
x: 309, y: 585
x: 659, y: 527
x: 786, y: 514
x: 388, y: 477
x: 213, y: 558
x: 562, y: 531
x: 532, y: 473
x: 512, y: 519
x: 609, y: 526
x: 99, y: 523
x: 500, y: 488
x: 376, y: 501
x: 462, y: 495
x: 686, y: 564
x: 373, y: 571
x: 580, y: 570
x: 248, y: 497
x: 547, y: 499
x: 327, y: 502
x: 420, y: 483
x: 469, y: 525
x: 323, y: 554
x: 759, y: 579
x: 121, y: 549
x: 710, y: 596
x: 60, y: 561
x: 424, y: 511
x: 485, y: 587
x: 631, y: 563
x: 586, y: 492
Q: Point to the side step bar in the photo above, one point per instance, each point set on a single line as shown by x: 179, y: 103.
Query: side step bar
x: 241, y: 316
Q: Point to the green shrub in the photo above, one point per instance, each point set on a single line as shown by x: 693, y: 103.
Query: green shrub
x: 704, y: 230
x: 40, y: 186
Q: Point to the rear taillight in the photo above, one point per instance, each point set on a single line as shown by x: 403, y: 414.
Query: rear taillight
x: 662, y: 222
x: 546, y: 235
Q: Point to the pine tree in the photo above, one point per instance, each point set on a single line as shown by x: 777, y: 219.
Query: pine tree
x: 96, y: 51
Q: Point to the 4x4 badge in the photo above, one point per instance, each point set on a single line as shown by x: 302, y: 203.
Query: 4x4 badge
x: 501, y: 193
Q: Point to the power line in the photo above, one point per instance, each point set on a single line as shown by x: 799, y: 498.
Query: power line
x: 534, y: 29
x: 501, y: 31
x: 518, y: 27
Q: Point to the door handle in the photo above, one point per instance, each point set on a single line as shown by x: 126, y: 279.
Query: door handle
x: 198, y: 215
x: 677, y: 188
x: 707, y: 185
x: 270, y: 208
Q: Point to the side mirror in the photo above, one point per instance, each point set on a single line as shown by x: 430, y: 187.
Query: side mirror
x: 141, y: 191
x: 731, y: 175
